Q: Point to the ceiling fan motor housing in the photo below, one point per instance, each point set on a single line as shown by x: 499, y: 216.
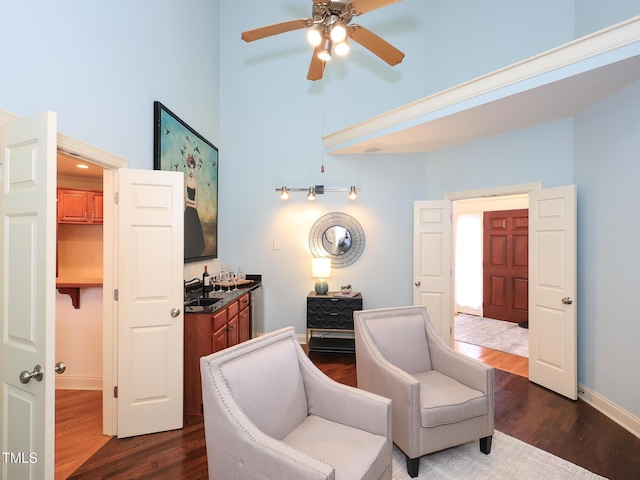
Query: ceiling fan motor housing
x: 341, y: 9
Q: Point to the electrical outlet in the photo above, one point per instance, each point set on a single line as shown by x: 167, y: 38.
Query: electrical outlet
x: 192, y: 270
x: 276, y: 244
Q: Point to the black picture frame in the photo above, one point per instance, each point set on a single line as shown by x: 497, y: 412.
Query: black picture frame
x: 179, y: 148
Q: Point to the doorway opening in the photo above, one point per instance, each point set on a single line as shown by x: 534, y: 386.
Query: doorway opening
x: 83, y: 397
x: 486, y: 340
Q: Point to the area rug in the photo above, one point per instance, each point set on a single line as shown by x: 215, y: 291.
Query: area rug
x: 496, y: 334
x: 510, y: 459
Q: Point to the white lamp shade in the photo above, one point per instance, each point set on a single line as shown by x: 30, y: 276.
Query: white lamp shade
x: 320, y: 267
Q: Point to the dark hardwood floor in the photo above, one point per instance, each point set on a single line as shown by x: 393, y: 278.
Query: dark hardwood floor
x: 571, y: 430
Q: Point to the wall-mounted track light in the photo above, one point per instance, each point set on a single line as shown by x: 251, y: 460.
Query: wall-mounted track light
x: 285, y: 192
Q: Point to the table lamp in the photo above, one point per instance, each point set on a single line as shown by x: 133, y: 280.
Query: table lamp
x: 321, y: 269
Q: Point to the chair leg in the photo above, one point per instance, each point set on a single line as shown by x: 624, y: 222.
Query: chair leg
x: 485, y: 444
x: 412, y: 466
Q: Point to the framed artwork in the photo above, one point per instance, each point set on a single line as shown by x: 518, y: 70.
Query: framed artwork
x: 179, y: 148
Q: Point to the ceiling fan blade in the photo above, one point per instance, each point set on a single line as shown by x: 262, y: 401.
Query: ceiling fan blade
x: 316, y: 69
x: 375, y: 44
x: 364, y: 6
x: 275, y: 29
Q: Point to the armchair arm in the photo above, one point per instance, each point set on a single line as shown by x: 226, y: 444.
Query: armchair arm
x: 378, y: 375
x: 344, y: 404
x: 246, y: 451
x: 465, y: 370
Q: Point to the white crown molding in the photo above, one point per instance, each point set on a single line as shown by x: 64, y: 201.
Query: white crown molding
x: 606, y: 40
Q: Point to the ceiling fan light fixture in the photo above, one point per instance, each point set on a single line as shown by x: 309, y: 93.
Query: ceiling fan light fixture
x: 338, y: 32
x: 325, y: 52
x: 342, y: 48
x: 314, y: 36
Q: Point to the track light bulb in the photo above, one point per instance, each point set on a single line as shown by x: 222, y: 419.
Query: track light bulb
x: 284, y: 193
x: 312, y: 194
x: 314, y: 36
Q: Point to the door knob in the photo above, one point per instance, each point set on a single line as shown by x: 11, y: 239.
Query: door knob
x: 60, y: 367
x: 26, y: 376
x: 175, y: 312
x: 567, y: 300
x: 417, y: 284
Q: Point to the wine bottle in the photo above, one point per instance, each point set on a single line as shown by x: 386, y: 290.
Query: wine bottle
x: 205, y: 281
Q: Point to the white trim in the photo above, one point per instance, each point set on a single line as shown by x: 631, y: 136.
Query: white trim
x: 610, y: 409
x: 494, y: 191
x: 606, y: 40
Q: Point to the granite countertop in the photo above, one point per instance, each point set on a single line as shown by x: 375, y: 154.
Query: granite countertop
x: 226, y: 297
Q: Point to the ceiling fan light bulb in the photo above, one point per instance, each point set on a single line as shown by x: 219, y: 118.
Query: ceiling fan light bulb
x: 324, y: 55
x: 314, y: 36
x: 338, y: 32
x: 342, y: 48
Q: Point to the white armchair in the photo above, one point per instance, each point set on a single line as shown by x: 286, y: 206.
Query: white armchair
x: 270, y: 413
x: 440, y: 397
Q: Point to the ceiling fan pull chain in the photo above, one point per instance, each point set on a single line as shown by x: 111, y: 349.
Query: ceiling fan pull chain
x: 322, y: 126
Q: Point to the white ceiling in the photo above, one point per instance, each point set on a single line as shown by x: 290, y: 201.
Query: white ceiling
x: 68, y: 166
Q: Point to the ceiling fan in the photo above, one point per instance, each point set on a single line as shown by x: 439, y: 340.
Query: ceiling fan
x: 330, y: 28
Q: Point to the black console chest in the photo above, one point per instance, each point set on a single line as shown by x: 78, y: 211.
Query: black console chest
x: 332, y: 312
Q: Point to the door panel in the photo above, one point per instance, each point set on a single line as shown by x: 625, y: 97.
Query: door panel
x: 150, y: 338
x: 432, y: 262
x: 27, y: 295
x: 552, y: 306
x: 506, y: 261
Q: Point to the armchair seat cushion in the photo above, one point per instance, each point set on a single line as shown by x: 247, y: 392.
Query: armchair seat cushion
x: 354, y: 453
x: 444, y: 400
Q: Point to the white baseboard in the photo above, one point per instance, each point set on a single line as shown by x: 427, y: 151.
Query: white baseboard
x: 67, y: 382
x: 611, y: 410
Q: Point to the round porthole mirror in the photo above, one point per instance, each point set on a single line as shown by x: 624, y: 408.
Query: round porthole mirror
x: 337, y: 236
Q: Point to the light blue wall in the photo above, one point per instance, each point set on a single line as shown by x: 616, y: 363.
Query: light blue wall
x: 101, y: 65
x: 273, y: 119
x: 607, y: 149
x: 593, y: 15
x: 543, y: 153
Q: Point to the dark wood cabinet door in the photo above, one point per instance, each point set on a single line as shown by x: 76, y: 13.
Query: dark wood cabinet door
x: 506, y: 265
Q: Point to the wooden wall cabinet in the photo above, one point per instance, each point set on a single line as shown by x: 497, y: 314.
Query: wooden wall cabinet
x: 205, y: 333
x: 80, y: 206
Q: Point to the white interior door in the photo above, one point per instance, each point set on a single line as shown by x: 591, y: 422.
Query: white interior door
x: 150, y: 301
x: 27, y: 295
x: 432, y: 268
x: 552, y: 289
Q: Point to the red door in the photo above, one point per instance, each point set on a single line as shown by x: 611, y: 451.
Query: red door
x: 506, y: 265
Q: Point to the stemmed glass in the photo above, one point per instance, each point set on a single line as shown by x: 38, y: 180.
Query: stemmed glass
x: 241, y: 275
x: 214, y: 280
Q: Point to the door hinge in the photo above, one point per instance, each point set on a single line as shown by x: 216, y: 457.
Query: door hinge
x: 115, y: 392
x: 116, y: 197
x: 115, y: 294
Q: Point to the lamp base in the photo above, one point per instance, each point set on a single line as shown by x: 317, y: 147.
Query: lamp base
x: 322, y: 287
